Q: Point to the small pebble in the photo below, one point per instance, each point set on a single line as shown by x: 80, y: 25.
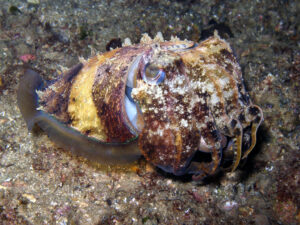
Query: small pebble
x: 36, y: 2
x: 229, y: 205
x: 30, y: 197
x: 261, y: 220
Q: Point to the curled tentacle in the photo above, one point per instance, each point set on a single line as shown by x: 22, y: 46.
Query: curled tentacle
x: 237, y: 145
x: 202, y: 170
x: 256, y: 115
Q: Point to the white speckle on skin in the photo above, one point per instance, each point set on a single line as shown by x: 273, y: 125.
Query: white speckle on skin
x: 223, y: 82
x: 209, y: 87
x: 227, y: 94
x: 127, y: 42
x: 184, y: 123
x: 176, y: 85
x: 159, y: 37
x: 179, y: 109
x: 214, y: 99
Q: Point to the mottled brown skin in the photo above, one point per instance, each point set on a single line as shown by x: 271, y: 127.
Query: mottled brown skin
x: 200, y: 104
x: 56, y: 101
x: 109, y: 86
x: 209, y: 103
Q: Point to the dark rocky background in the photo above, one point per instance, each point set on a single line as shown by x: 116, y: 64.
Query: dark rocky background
x: 41, y: 183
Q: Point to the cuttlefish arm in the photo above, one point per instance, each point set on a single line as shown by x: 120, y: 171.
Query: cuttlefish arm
x: 108, y: 153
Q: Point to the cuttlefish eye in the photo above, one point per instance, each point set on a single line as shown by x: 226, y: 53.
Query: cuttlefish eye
x: 153, y: 74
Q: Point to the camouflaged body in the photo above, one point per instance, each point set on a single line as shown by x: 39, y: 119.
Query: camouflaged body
x: 201, y: 101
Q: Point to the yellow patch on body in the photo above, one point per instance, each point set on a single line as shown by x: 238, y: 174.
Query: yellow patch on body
x: 81, y: 106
